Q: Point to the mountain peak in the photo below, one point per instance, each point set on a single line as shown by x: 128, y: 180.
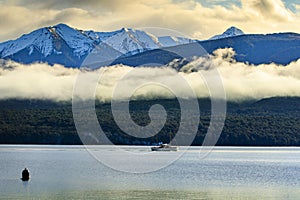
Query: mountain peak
x: 124, y: 29
x: 60, y: 26
x: 230, y: 32
x: 234, y: 30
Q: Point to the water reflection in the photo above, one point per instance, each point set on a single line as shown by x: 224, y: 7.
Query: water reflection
x: 213, y: 194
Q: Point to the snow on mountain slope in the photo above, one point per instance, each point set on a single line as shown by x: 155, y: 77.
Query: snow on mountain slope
x: 74, y: 39
x: 132, y: 41
x: 147, y: 40
x: 40, y: 40
x: 43, y: 40
x: 45, y: 44
x: 100, y: 36
x: 168, y: 41
x: 230, y: 32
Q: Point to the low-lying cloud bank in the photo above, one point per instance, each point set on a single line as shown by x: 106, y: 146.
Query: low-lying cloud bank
x: 241, y: 81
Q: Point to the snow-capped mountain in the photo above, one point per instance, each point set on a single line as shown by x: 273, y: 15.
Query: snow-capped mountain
x: 62, y: 44
x: 256, y: 49
x: 230, y: 32
x: 71, y: 47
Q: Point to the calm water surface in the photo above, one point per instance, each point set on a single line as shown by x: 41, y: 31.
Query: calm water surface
x: 70, y: 172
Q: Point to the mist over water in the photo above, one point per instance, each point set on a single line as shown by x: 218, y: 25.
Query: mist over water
x: 241, y: 81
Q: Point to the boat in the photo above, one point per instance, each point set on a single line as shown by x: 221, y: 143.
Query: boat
x: 164, y: 147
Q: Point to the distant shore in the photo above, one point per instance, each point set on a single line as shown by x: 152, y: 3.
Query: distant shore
x: 267, y: 122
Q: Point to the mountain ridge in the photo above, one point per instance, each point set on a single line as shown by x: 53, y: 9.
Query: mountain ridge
x: 62, y: 44
x: 48, y: 44
x: 255, y: 49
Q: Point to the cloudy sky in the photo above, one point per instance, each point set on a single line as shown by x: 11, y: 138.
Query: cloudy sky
x: 195, y: 18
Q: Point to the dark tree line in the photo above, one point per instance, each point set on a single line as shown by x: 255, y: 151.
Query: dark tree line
x: 268, y: 122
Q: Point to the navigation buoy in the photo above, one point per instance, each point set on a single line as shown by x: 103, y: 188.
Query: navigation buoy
x: 25, y: 175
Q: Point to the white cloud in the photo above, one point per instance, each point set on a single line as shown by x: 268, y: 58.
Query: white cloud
x: 297, y: 7
x: 190, y: 17
x: 241, y: 81
x: 268, y: 10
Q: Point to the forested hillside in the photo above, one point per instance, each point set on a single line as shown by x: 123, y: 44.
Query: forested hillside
x: 272, y: 122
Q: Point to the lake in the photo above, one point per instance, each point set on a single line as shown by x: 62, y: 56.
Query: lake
x: 72, y: 172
